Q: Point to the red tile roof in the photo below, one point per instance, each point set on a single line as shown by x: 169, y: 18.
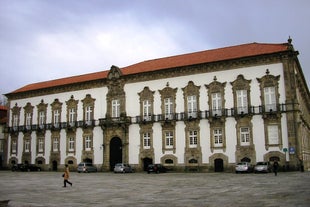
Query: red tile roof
x: 3, y: 108
x: 208, y: 56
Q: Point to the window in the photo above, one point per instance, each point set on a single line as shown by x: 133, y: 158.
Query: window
x: 192, y: 106
x: 115, y: 108
x: 40, y: 145
x: 72, y: 116
x: 88, y: 144
x: 27, y: 145
x: 169, y: 139
x: 273, y: 134
x: 56, y: 118
x: 218, y: 137
x: 41, y: 119
x: 55, y: 144
x: 88, y: 114
x: 244, y: 136
x: 270, y: 99
x: 28, y: 121
x: 216, y: 104
x: 147, y: 116
x: 71, y: 144
x: 193, y: 139
x: 168, y: 108
x: 15, y: 122
x: 147, y: 140
x: 14, y: 146
x: 242, y: 101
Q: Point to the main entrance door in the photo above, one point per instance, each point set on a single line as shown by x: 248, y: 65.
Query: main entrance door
x: 116, y: 154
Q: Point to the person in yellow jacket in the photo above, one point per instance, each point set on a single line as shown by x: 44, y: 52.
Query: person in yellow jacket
x: 66, y: 176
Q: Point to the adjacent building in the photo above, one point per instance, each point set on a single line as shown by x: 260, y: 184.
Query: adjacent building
x: 3, y: 143
x: 201, y: 111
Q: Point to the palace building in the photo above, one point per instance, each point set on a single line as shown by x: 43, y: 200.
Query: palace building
x: 201, y: 111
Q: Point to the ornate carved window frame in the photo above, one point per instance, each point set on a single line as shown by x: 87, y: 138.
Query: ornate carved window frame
x: 72, y: 104
x: 216, y: 87
x: 241, y: 84
x: 42, y: 107
x: 56, y: 106
x: 28, y: 109
x: 88, y: 101
x: 27, y: 139
x: 191, y: 90
x: 146, y: 95
x: 165, y: 93
x: 38, y: 144
x: 15, y: 113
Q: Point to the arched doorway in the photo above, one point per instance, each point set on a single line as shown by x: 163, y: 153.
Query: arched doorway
x: 54, y: 167
x: 116, y: 155
x: 245, y: 159
x: 146, y: 162
x: 218, y: 165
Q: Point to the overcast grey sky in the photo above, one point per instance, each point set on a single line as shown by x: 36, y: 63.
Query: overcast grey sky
x: 42, y: 40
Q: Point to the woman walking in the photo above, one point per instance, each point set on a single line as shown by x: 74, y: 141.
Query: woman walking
x: 66, y: 176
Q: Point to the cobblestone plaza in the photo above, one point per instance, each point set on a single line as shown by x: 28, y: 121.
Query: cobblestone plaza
x: 22, y: 189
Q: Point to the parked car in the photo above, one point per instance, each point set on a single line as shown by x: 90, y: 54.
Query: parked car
x: 123, y: 168
x: 86, y: 167
x: 262, y: 167
x: 243, y: 167
x: 156, y: 168
x: 26, y: 167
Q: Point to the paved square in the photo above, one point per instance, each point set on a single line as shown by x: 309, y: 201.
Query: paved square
x: 167, y: 189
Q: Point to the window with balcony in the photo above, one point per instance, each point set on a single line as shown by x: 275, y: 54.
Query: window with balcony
x: 216, y: 104
x: 192, y: 106
x: 72, y: 106
x: 146, y: 104
x: 191, y: 99
x: 147, y: 110
x: 169, y: 108
x: 41, y: 119
x: 15, y: 122
x: 56, y: 119
x: 242, y: 101
x: 88, y: 107
x: 270, y: 99
x: 88, y: 115
x: 28, y: 121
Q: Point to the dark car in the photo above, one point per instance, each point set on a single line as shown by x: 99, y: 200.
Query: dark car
x: 26, y: 167
x: 156, y: 168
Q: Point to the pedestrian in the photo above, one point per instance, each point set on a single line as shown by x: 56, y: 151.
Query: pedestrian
x: 66, y: 176
x: 275, y: 167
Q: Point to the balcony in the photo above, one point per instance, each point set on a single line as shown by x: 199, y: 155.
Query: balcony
x: 182, y: 116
